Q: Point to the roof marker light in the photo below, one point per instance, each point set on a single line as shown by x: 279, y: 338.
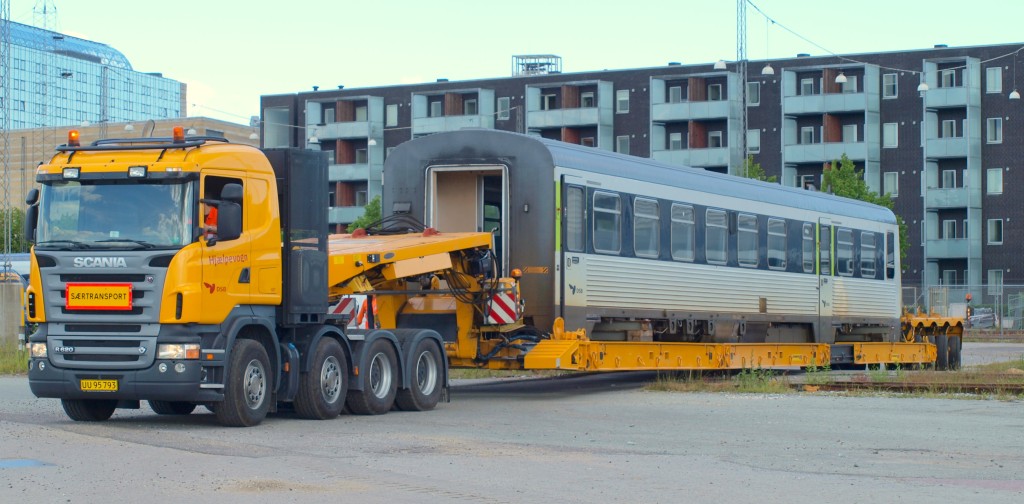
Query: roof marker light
x: 73, y: 140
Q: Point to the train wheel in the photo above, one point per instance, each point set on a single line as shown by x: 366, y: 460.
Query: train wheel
x: 956, y: 344
x: 426, y: 376
x: 381, y: 385
x: 172, y: 407
x: 322, y: 390
x: 942, y: 351
x: 247, y: 387
x: 89, y: 410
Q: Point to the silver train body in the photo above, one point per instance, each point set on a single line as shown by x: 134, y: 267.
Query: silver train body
x: 633, y: 249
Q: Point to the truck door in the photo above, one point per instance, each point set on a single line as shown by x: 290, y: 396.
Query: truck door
x: 226, y: 264
x: 571, y: 245
x: 467, y: 199
x: 825, y: 333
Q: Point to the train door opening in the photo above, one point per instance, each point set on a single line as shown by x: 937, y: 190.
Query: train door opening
x: 826, y: 333
x: 468, y: 199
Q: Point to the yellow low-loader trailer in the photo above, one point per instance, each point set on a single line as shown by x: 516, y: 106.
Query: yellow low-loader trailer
x: 189, y: 271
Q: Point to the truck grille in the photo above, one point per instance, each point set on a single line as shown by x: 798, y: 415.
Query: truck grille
x: 91, y: 352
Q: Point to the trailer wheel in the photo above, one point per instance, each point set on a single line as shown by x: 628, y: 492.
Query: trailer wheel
x: 89, y: 410
x: 378, y: 394
x: 426, y: 376
x: 172, y: 407
x: 322, y: 390
x: 955, y: 351
x: 942, y: 351
x: 247, y: 387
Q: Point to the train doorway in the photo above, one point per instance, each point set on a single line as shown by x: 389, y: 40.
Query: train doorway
x: 826, y: 252
x: 470, y: 198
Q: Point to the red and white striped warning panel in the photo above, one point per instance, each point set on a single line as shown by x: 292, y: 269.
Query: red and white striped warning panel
x: 345, y: 306
x: 503, y: 309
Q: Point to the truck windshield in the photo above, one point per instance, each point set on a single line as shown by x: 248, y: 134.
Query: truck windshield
x: 98, y: 214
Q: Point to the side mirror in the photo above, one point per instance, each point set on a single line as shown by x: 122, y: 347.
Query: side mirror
x: 229, y: 220
x: 31, y: 215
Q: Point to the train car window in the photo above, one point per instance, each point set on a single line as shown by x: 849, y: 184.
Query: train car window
x: 808, y: 247
x: 867, y: 254
x: 825, y: 249
x: 716, y: 236
x: 777, y: 244
x: 746, y: 240
x: 646, y: 228
x: 575, y: 220
x: 682, y: 232
x: 890, y: 256
x: 844, y: 252
x: 607, y: 223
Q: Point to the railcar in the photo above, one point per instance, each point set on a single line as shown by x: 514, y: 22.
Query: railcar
x: 636, y: 250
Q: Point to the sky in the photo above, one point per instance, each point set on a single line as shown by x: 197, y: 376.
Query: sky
x: 230, y: 52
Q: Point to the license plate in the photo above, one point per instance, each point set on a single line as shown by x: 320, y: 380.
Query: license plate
x: 91, y: 296
x: 99, y: 385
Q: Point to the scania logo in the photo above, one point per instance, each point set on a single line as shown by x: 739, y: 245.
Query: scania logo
x: 100, y: 262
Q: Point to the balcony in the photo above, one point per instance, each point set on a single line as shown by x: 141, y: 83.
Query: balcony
x: 718, y: 156
x: 349, y: 172
x: 827, y: 103
x: 957, y: 248
x: 945, y: 97
x: 336, y: 215
x: 956, y: 197
x: 951, y: 147
x: 685, y: 111
x: 540, y: 119
x: 824, y: 152
x: 342, y: 130
x: 428, y: 125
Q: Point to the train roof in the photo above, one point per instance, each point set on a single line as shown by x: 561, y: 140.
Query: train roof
x: 643, y: 169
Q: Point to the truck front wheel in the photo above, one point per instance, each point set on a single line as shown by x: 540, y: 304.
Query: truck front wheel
x: 381, y: 384
x: 247, y: 387
x: 322, y: 390
x: 89, y: 410
x: 425, y: 379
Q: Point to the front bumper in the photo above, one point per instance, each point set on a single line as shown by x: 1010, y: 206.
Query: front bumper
x: 142, y: 384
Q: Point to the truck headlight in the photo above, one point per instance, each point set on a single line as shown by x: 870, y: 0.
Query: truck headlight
x: 37, y: 350
x: 178, y: 351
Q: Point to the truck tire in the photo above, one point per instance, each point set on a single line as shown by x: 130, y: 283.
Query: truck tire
x: 247, y: 386
x: 378, y: 394
x: 89, y: 410
x: 942, y: 351
x: 425, y: 377
x: 322, y: 390
x: 172, y: 407
x: 955, y: 351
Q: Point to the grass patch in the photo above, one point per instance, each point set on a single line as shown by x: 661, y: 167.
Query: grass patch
x: 751, y: 381
x: 479, y: 373
x: 12, y: 360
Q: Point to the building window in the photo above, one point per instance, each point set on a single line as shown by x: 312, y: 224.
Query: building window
x: 391, y: 115
x: 746, y: 240
x: 994, y: 79
x: 753, y: 94
x: 504, y: 105
x: 806, y: 86
x: 947, y: 78
x: 948, y: 179
x: 575, y: 222
x: 995, y: 231
x: 387, y: 152
x: 360, y: 198
x: 714, y: 139
x: 675, y: 94
x: 435, y: 109
x: 995, y: 282
x: 469, y: 107
x: 587, y: 100
x: 587, y: 141
x: 850, y: 86
x: 844, y: 252
x: 361, y: 113
x: 622, y: 101
x: 715, y: 92
x: 547, y: 102
x: 361, y: 156
x: 776, y: 244
x: 994, y: 130
x: 807, y: 239
x: 964, y: 229
x: 675, y: 141
x: 607, y: 225
x: 948, y: 128
x: 849, y: 133
x: 807, y: 135
x: 949, y: 229
x: 753, y: 141
x: 646, y: 228
x: 682, y: 232
x: 891, y: 183
x: 716, y: 236
x: 994, y: 181
x: 948, y: 277
x: 807, y: 182
x: 622, y: 144
x: 890, y: 135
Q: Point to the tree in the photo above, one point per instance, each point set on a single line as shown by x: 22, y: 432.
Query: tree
x: 843, y: 179
x: 754, y: 171
x: 371, y: 214
x: 12, y: 223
